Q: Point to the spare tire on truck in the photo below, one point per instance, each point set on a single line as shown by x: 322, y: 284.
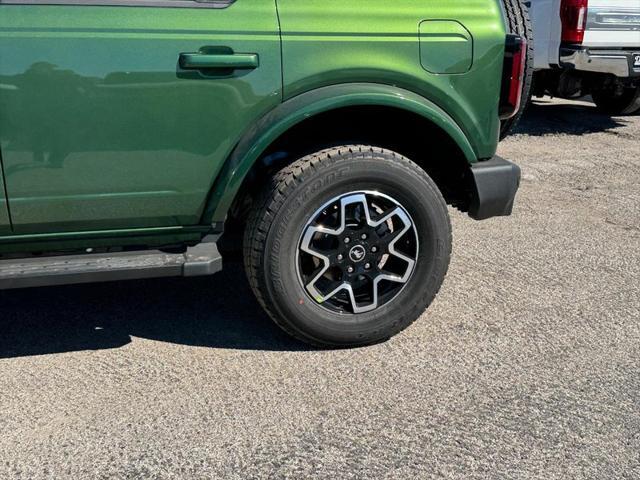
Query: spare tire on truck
x: 519, y: 23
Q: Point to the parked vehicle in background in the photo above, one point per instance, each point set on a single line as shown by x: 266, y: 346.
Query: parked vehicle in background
x: 330, y: 135
x: 588, y: 47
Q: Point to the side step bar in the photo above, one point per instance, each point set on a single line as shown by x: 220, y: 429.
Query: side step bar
x: 203, y: 259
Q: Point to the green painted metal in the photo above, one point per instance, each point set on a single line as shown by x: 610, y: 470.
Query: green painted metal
x: 148, y: 237
x: 445, y: 47
x: 118, y: 122
x: 326, y: 42
x: 312, y: 103
x: 100, y: 128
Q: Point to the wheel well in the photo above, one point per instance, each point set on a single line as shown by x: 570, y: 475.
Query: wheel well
x: 407, y: 133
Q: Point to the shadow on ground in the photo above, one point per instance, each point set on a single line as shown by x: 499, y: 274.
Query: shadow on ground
x: 544, y: 117
x: 218, y: 311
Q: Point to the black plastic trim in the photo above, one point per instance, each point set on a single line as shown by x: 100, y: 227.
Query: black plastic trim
x: 496, y: 183
x: 201, y: 260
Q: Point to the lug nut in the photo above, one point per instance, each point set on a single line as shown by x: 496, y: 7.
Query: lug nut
x: 363, y: 236
x: 350, y: 269
x: 340, y: 257
x: 347, y: 240
x: 367, y: 266
x: 374, y: 249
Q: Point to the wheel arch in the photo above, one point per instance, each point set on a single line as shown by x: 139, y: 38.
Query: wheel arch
x: 293, y: 113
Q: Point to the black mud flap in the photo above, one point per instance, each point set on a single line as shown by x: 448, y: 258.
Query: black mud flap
x: 496, y: 183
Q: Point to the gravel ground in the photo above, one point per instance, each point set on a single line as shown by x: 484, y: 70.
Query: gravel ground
x: 526, y: 366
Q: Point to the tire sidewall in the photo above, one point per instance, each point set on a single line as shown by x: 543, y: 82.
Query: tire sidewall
x: 418, y: 196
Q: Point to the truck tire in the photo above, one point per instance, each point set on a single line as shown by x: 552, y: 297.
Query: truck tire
x: 623, y: 102
x: 519, y: 23
x: 347, y: 246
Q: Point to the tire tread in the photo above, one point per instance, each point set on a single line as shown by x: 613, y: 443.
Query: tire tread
x: 271, y: 199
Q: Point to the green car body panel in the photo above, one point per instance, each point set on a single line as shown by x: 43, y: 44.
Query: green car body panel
x: 332, y: 41
x: 100, y: 127
x: 136, y: 122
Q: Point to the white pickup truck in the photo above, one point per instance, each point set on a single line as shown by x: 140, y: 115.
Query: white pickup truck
x: 588, y: 47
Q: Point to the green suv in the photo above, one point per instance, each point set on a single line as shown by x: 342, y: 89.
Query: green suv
x: 322, y: 139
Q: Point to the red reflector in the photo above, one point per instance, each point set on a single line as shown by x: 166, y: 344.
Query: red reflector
x: 573, y: 14
x: 517, y: 75
x: 513, y: 76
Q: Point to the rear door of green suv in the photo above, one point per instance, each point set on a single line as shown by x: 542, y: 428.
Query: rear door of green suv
x: 118, y: 114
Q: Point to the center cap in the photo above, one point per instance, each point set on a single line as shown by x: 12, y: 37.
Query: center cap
x: 357, y: 253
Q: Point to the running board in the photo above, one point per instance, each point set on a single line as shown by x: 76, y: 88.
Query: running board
x: 203, y: 259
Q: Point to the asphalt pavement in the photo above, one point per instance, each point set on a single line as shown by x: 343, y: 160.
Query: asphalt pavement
x: 526, y: 366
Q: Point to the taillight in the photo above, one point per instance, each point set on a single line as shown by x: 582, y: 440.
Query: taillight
x: 515, y: 62
x: 573, y: 14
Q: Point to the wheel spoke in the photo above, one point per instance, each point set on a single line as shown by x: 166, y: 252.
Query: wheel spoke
x: 340, y: 269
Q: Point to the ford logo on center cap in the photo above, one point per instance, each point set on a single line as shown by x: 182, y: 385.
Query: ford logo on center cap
x: 357, y: 253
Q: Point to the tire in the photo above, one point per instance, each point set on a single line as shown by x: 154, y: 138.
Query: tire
x: 276, y: 260
x: 519, y: 23
x: 624, y: 102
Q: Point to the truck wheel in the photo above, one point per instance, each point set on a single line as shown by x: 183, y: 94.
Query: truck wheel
x: 624, y: 101
x: 348, y: 246
x: 519, y: 23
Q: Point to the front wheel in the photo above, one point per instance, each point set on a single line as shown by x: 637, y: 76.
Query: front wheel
x: 618, y: 101
x: 348, y: 246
